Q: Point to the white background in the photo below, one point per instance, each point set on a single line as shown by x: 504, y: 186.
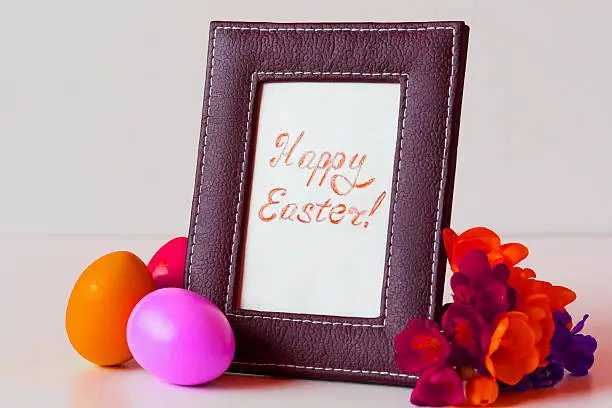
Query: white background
x: 320, y: 267
x: 100, y: 107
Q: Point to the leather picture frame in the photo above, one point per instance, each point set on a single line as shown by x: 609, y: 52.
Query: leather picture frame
x: 428, y: 61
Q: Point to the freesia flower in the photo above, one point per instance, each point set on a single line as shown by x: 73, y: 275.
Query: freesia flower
x: 483, y: 239
x: 537, y: 308
x: 572, y: 350
x: 547, y: 376
x: 542, y: 377
x: 523, y: 385
x: 469, y: 335
x: 522, y: 280
x: 478, y: 285
x: 505, y: 330
x: 437, y: 387
x: 512, y: 352
x: 420, y: 346
x: 538, y: 299
x: 482, y: 391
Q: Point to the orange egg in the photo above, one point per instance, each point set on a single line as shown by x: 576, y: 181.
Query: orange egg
x: 100, y: 304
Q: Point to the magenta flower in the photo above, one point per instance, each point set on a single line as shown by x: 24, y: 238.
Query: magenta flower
x: 572, y: 350
x: 438, y: 387
x: 469, y: 335
x: 420, y: 346
x: 484, y: 288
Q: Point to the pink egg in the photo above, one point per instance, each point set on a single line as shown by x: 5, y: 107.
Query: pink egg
x: 180, y: 337
x: 167, y: 266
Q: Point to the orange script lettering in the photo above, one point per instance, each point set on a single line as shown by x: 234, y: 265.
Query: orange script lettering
x: 277, y: 208
x: 341, y: 170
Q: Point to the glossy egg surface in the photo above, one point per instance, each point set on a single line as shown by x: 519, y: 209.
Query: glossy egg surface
x: 100, y: 304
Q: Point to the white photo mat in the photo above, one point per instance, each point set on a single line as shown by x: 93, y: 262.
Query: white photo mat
x: 320, y: 198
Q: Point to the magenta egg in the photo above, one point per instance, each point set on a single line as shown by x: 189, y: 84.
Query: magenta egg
x: 167, y: 265
x: 180, y: 337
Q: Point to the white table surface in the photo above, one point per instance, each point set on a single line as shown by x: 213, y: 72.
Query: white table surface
x: 38, y: 368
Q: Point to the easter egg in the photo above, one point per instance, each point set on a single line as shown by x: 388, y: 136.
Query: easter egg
x: 100, y: 305
x: 167, y: 265
x: 180, y: 337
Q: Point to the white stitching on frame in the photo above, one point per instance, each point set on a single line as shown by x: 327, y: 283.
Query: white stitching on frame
x: 344, y: 370
x: 443, y: 171
x: 246, y: 139
x: 332, y: 73
x: 399, y: 166
x: 447, y: 130
x: 322, y: 322
x: 333, y: 29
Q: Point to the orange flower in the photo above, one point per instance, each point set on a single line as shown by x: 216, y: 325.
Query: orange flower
x: 481, y: 391
x: 457, y: 246
x: 522, y: 279
x: 512, y: 352
x: 538, y: 300
x: 537, y: 308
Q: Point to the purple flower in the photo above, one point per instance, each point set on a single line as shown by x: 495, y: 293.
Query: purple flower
x: 569, y: 348
x: 548, y: 376
x: 469, y: 335
x: 438, y: 387
x: 542, y: 377
x: 478, y: 285
x: 420, y: 346
x: 524, y: 385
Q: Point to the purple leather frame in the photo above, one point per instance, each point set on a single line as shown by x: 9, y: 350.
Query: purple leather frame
x: 428, y: 60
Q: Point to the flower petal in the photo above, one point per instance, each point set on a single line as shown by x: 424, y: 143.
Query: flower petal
x: 450, y: 239
x: 482, y: 391
x: 513, y: 253
x: 579, y: 357
x: 496, y: 338
x: 560, y: 297
x: 585, y: 341
x: 500, y: 273
x: 494, y: 300
x: 572, y: 350
x: 420, y: 346
x: 474, y: 263
x: 482, y: 234
x: 477, y: 285
x: 468, y: 333
x: 437, y: 387
x: 519, y: 275
x: 524, y: 385
x: 548, y: 376
x: 561, y: 340
x: 537, y: 309
x: 562, y: 317
x: 483, y: 239
x: 580, y: 325
x: 513, y: 354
